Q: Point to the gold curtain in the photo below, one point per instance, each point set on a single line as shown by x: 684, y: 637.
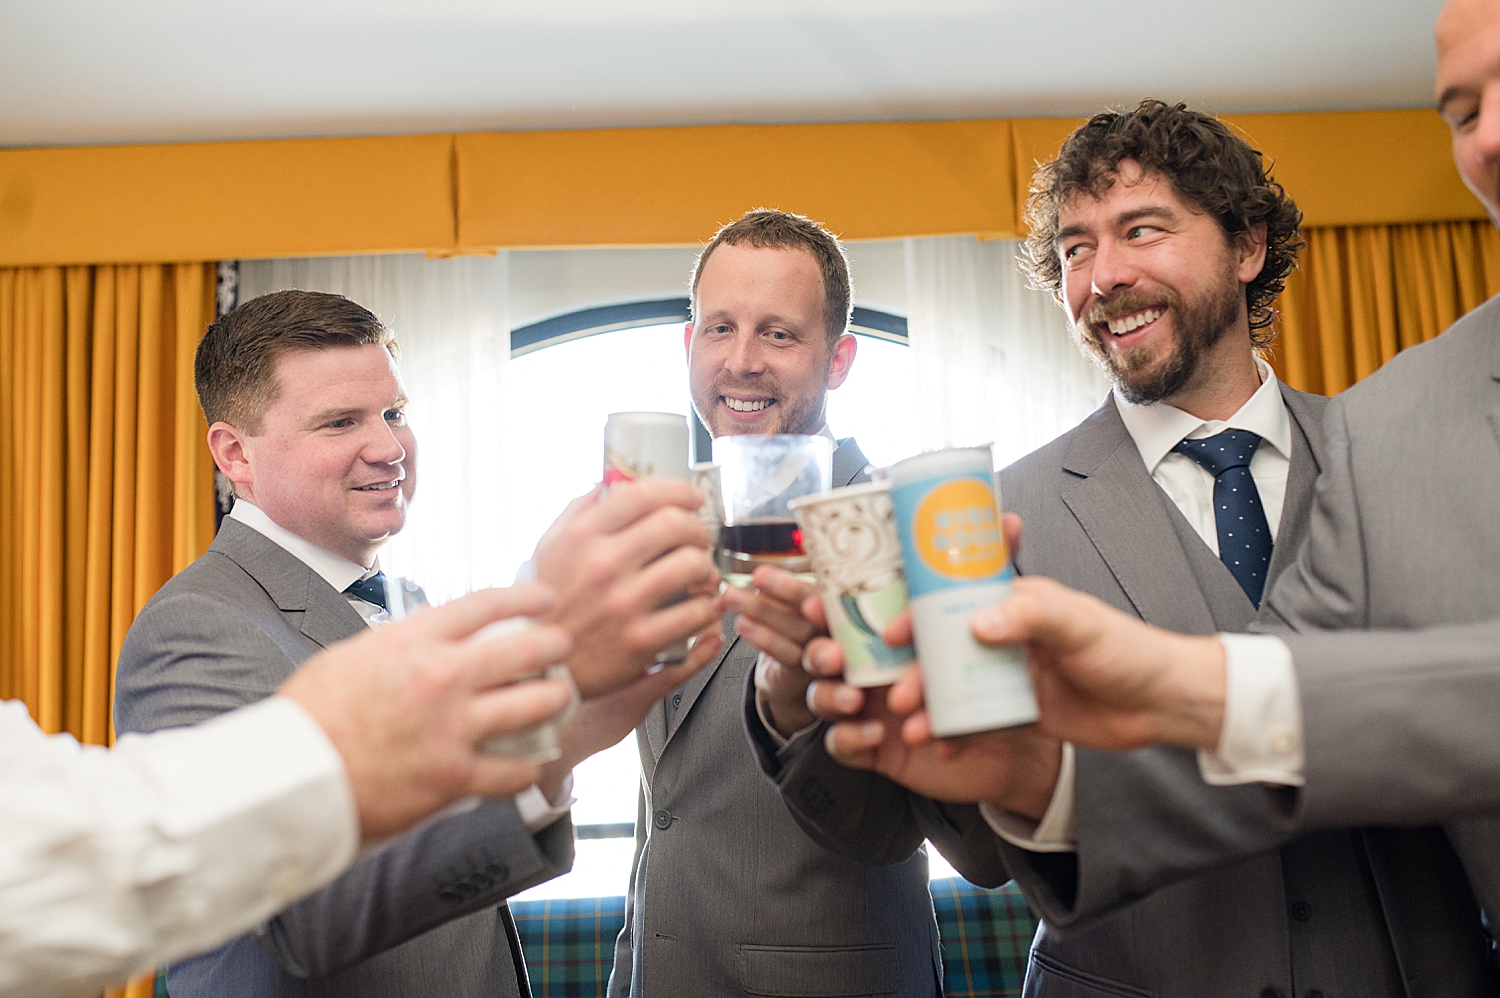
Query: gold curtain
x: 1363, y: 293
x: 106, y: 487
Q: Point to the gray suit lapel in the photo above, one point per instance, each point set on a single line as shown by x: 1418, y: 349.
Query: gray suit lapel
x: 1306, y: 412
x: 298, y: 592
x: 1125, y: 515
x: 849, y: 463
x: 1494, y: 396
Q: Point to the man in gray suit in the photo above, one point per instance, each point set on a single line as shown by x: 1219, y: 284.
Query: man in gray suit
x: 307, y: 419
x: 1373, y: 701
x: 727, y: 896
x: 1113, y: 235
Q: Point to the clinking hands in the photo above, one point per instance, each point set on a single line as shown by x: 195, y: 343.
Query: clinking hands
x: 1103, y: 679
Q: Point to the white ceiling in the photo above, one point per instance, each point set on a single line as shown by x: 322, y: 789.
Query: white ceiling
x: 89, y: 71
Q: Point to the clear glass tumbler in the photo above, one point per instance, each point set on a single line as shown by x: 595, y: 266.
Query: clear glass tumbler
x: 758, y: 477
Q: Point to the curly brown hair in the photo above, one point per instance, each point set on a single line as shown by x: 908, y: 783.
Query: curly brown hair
x: 1207, y: 164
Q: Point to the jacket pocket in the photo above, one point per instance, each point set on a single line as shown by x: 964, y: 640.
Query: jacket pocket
x: 1049, y: 977
x: 819, y: 971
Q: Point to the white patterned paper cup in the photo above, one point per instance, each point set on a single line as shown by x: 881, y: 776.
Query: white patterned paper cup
x: 850, y: 538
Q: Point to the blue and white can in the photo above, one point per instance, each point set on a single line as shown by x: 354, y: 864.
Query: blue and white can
x: 956, y: 561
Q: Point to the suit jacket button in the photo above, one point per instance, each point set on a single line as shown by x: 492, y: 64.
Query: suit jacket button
x: 448, y: 895
x: 663, y: 820
x: 1270, y: 993
x: 1301, y: 911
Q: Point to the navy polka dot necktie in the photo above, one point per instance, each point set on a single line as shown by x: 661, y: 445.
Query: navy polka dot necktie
x: 371, y: 590
x: 1244, y: 534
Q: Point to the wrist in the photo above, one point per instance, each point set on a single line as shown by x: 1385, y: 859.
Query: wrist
x: 789, y: 717
x: 551, y: 779
x: 1190, y: 712
x: 1037, y: 769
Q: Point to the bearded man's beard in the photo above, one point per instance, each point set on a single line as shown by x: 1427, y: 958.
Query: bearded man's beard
x: 1139, y: 374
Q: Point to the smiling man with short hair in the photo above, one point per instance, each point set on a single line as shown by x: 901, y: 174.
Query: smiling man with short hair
x: 728, y: 896
x: 307, y: 418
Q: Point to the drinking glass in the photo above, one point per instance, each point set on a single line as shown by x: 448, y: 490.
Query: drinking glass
x: 758, y: 477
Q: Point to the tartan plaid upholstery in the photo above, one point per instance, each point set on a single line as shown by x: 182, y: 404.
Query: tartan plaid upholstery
x: 986, y: 935
x: 569, y: 944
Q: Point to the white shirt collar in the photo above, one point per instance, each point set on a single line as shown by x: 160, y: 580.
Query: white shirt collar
x: 338, y: 571
x: 826, y: 432
x: 1158, y: 427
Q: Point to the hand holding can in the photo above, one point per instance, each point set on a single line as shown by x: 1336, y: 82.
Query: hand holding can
x: 956, y: 562
x: 648, y: 445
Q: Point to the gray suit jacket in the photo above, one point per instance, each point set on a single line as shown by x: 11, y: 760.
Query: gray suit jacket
x: 423, y: 914
x: 727, y: 896
x: 1179, y: 888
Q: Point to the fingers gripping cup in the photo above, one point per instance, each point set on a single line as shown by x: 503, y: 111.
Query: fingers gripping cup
x: 956, y: 562
x: 648, y: 445
x: 850, y: 538
x: 538, y: 744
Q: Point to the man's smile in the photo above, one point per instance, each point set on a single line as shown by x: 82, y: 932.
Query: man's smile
x: 1128, y: 330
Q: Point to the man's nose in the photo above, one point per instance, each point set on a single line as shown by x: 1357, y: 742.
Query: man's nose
x: 1487, y: 129
x: 745, y: 355
x: 383, y: 446
x: 1112, y: 269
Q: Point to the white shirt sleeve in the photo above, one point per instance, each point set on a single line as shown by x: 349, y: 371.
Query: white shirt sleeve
x: 113, y: 861
x: 1058, y: 829
x: 1262, y: 737
x: 537, y: 812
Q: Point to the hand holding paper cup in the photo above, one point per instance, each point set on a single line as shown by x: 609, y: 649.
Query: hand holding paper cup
x: 850, y: 538
x: 540, y: 744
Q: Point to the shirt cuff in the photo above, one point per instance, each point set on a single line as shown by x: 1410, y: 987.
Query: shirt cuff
x: 537, y: 812
x: 1262, y: 737
x: 1058, y: 829
x: 777, y: 738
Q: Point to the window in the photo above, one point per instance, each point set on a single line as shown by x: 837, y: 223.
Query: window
x: 558, y: 392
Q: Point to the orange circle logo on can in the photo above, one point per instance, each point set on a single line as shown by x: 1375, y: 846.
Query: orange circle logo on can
x: 957, y: 533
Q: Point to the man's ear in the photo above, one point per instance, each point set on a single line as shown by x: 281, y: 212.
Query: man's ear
x: 841, y: 360
x: 687, y: 340
x: 229, y: 447
x: 1250, y: 245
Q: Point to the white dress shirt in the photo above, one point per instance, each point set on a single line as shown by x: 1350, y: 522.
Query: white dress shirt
x: 537, y: 812
x: 1262, y: 736
x: 113, y: 861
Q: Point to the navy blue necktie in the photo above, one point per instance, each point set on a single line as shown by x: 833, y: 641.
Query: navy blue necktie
x: 1244, y: 534
x: 371, y: 590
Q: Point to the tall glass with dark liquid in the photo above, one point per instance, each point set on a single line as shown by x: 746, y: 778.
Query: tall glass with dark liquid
x: 759, y: 476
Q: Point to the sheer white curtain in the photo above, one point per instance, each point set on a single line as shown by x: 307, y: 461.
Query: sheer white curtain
x: 994, y: 359
x: 451, y: 320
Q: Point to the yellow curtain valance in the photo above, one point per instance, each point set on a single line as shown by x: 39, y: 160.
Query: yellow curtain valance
x: 1342, y: 168
x: 467, y: 193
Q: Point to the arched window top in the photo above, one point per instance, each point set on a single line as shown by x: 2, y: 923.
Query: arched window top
x: 660, y: 311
